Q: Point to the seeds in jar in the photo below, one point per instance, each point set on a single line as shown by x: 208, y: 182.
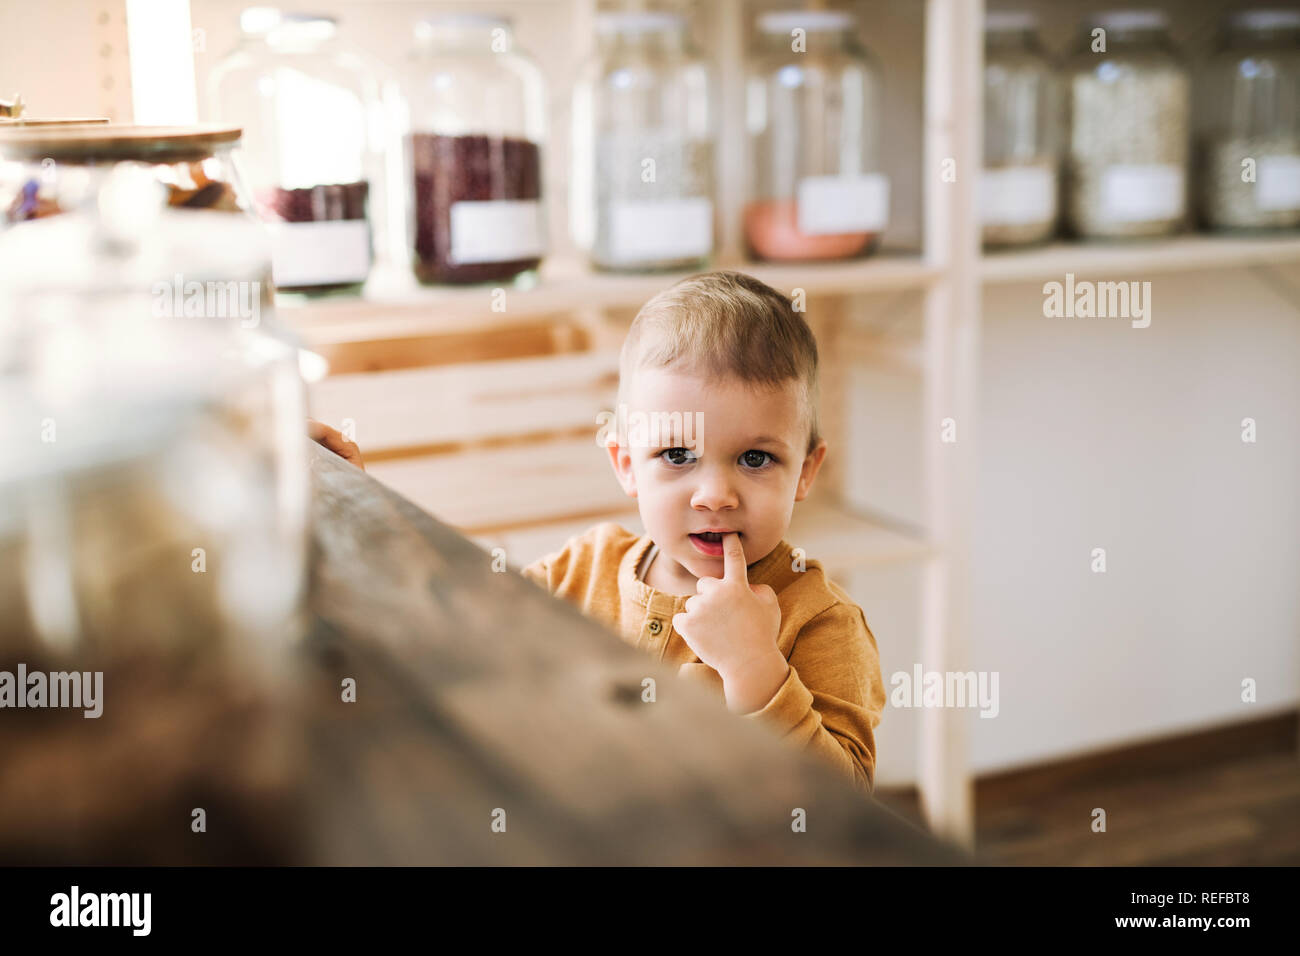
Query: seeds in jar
x: 320, y: 237
x: 1127, y: 161
x: 1251, y: 183
x: 663, y: 223
x: 322, y: 203
x: 477, y: 209
x: 1018, y: 203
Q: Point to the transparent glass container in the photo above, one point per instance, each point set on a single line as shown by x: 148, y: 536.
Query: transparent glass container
x: 46, y: 170
x: 312, y: 113
x: 1019, y: 184
x: 155, y: 494
x: 1249, y: 129
x: 813, y: 114
x: 477, y: 122
x: 1127, y: 157
x: 642, y: 194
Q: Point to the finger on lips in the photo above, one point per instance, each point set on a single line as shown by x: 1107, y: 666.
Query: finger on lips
x: 733, y: 554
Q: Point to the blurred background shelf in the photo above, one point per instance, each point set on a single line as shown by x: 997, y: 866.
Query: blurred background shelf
x: 393, y: 305
x: 1183, y: 254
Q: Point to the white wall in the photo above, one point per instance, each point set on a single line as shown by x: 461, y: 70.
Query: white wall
x: 1096, y: 434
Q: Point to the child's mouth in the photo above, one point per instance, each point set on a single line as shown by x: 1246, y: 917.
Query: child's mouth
x: 708, y: 542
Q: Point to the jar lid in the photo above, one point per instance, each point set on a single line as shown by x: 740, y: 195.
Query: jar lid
x: 301, y: 17
x: 783, y: 21
x: 639, y: 22
x: 255, y: 21
x: 1266, y: 19
x: 12, y: 122
x: 86, y: 141
x: 1130, y: 20
x: 461, y: 21
x: 1007, y: 21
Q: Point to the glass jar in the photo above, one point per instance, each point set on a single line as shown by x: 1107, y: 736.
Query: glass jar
x: 1019, y: 184
x: 813, y: 105
x: 477, y: 115
x: 155, y: 494
x: 45, y: 170
x: 1127, y: 160
x: 643, y: 192
x: 1250, y: 129
x: 312, y: 115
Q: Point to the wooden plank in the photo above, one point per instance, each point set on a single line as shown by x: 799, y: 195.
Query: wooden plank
x: 470, y: 403
x: 483, y: 692
x: 359, y: 351
x: 402, y: 310
x: 477, y: 694
x: 1189, y: 253
x: 481, y: 490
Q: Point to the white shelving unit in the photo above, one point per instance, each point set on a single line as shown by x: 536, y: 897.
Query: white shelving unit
x: 941, y: 50
x: 932, y: 57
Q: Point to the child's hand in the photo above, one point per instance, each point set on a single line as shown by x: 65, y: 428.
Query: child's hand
x: 335, y: 442
x: 732, y: 626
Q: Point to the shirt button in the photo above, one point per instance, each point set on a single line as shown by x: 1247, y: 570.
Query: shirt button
x: 655, y: 626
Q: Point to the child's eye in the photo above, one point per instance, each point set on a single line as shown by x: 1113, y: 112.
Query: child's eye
x: 761, y: 455
x: 673, y: 453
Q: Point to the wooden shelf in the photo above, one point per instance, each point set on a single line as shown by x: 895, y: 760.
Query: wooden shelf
x: 1182, y: 254
x: 840, y: 539
x: 393, y: 305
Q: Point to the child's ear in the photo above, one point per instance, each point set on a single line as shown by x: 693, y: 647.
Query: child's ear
x: 811, y: 465
x: 621, y: 461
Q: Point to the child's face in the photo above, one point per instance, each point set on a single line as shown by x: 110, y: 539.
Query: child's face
x: 745, y: 472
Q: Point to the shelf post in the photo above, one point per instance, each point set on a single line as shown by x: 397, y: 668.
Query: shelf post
x: 953, y: 84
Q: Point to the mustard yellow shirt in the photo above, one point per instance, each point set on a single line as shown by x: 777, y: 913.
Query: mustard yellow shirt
x: 833, y: 696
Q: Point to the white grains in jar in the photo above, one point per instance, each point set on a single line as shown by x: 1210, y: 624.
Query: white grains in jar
x: 1127, y: 160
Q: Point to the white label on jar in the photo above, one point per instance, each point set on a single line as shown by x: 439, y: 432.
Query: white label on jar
x: 1017, y: 196
x: 1277, y: 183
x: 831, y: 205
x: 319, y: 253
x: 1142, y: 193
x: 660, y: 229
x: 496, y: 230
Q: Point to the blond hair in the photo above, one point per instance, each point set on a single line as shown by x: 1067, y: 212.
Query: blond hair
x: 726, y: 325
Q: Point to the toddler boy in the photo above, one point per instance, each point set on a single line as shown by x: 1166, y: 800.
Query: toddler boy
x: 718, y: 378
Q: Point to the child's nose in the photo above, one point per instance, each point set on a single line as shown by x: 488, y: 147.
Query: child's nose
x: 714, y: 492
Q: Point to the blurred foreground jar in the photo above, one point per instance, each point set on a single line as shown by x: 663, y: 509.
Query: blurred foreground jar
x: 477, y: 115
x: 814, y: 118
x: 311, y: 113
x: 1249, y: 96
x: 1127, y: 160
x: 1019, y: 185
x: 642, y: 193
x: 48, y: 169
x: 153, y: 494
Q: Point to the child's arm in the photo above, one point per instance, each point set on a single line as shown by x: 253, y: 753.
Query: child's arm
x: 833, y: 697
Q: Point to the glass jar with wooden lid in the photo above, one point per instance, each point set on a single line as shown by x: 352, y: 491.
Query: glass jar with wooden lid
x: 48, y: 169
